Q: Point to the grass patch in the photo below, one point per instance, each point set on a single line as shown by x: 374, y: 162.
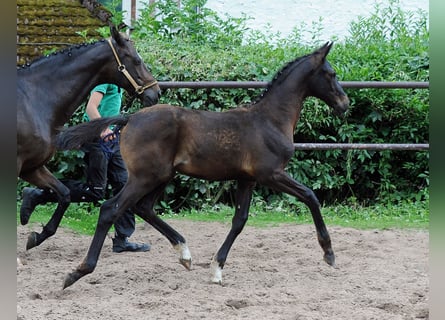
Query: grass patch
x: 82, y: 218
x: 414, y: 215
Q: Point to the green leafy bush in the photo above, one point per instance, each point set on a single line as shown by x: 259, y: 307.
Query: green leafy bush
x: 391, y: 45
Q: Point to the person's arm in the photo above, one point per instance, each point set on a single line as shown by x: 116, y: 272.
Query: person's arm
x: 93, y: 112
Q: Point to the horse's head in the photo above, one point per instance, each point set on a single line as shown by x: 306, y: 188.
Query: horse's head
x: 135, y: 77
x: 323, y: 83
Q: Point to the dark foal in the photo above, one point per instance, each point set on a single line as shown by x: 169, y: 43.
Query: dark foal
x: 51, y: 89
x: 250, y: 144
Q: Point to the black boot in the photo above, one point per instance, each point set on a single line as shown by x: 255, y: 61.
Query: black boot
x: 79, y: 192
x: 121, y: 244
x: 32, y: 197
x: 83, y: 192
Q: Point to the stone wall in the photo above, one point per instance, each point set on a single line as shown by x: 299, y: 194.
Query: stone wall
x: 44, y: 25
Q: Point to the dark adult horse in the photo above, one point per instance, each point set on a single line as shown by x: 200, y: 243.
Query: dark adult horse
x: 51, y: 89
x: 248, y: 144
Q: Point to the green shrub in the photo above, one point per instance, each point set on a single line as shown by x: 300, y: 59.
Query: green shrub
x: 391, y: 45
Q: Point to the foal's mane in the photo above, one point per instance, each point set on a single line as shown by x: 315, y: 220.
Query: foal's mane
x: 68, y: 51
x: 280, y: 76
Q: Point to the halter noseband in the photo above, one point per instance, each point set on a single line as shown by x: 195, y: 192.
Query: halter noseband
x: 121, y: 67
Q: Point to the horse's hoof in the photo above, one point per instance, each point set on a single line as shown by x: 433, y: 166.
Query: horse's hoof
x: 32, y: 240
x: 187, y: 263
x: 19, y: 263
x: 329, y: 258
x: 24, y: 217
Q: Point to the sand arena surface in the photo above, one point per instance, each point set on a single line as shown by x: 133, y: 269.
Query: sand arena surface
x: 273, y: 273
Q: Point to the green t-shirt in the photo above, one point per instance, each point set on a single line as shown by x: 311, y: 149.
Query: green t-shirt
x: 111, y: 101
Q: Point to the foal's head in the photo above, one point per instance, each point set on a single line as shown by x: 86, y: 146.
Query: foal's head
x: 136, y: 79
x: 323, y: 83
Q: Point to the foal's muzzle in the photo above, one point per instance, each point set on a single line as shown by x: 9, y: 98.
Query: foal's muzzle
x: 341, y: 106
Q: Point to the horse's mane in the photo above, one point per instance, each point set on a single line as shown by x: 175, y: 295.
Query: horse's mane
x: 279, y: 77
x: 67, y: 50
x: 98, y: 10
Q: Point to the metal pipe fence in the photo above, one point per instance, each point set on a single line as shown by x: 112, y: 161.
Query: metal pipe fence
x: 344, y: 84
x: 263, y: 84
x: 363, y: 146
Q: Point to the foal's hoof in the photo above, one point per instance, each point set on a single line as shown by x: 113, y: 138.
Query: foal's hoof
x: 216, y: 281
x: 32, y: 240
x: 185, y: 258
x: 217, y: 272
x: 187, y: 263
x: 70, y: 279
x: 329, y: 258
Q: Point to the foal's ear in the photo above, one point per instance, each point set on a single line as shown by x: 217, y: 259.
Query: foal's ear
x: 324, y: 50
x: 116, y: 35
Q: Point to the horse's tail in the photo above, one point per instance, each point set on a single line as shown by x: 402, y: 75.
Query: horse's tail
x: 74, y: 137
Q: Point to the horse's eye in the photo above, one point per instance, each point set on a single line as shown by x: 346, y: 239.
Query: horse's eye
x: 138, y: 59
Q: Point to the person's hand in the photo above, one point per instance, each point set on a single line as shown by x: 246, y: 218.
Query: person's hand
x: 107, y: 135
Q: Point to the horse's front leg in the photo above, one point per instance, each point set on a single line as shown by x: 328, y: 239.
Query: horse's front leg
x: 43, y: 178
x: 144, y: 209
x: 242, y: 203
x: 281, y: 181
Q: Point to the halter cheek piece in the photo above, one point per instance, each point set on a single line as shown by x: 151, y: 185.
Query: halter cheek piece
x: 121, y: 67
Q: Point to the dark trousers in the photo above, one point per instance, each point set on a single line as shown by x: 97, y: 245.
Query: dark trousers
x: 104, y: 166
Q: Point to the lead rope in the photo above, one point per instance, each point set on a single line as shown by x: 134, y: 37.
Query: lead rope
x: 121, y: 67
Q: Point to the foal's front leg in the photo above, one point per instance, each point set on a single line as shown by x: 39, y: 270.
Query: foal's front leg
x: 281, y: 181
x: 242, y: 203
x: 109, y: 212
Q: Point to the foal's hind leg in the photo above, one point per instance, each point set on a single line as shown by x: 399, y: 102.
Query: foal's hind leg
x: 242, y: 203
x: 281, y: 181
x: 144, y: 209
x: 45, y: 179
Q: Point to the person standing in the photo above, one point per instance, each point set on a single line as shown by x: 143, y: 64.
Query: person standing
x: 104, y: 166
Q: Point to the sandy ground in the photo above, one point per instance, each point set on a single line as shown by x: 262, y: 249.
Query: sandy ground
x: 274, y: 273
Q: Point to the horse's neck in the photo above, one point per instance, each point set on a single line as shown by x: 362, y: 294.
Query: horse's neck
x: 72, y: 76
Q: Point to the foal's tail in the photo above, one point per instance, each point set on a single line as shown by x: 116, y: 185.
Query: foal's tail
x: 74, y: 137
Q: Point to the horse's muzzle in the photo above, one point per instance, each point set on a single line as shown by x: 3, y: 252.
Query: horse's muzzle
x: 150, y: 97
